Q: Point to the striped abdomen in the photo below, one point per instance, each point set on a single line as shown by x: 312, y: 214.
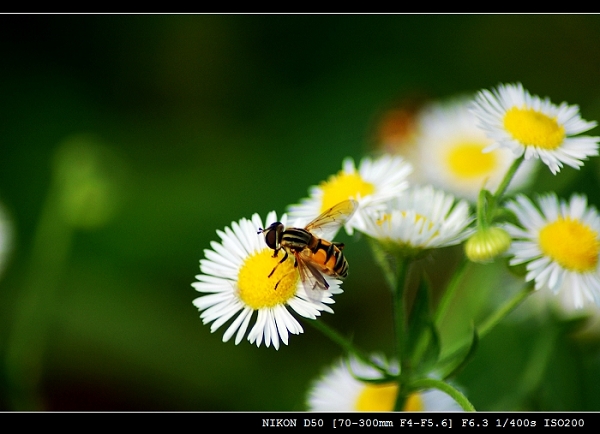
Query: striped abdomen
x: 326, y: 255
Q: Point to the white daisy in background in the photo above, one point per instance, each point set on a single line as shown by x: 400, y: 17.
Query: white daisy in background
x: 235, y: 282
x: 422, y: 218
x: 372, y: 185
x: 448, y: 152
x: 515, y: 119
x: 560, y: 243
x: 338, y: 389
x: 5, y: 237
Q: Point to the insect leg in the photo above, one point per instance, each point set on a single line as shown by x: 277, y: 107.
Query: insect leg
x: 291, y: 271
x: 282, y: 260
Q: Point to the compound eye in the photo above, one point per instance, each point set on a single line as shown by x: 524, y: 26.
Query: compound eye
x: 272, y: 235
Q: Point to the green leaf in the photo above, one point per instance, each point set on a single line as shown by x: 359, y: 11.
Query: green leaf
x: 423, y: 343
x: 454, y: 366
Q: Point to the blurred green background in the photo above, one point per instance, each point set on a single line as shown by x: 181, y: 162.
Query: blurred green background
x: 205, y: 119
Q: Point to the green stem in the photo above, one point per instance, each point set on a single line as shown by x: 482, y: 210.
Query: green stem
x: 507, y: 178
x: 345, y: 343
x: 483, y: 209
x: 400, y: 314
x: 400, y: 317
x: 494, y: 319
x: 507, y: 308
x: 487, y: 203
x: 26, y: 343
x: 448, y: 294
x: 431, y: 383
x: 383, y: 260
x: 395, y: 270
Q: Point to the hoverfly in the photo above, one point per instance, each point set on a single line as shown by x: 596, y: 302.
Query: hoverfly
x: 314, y: 256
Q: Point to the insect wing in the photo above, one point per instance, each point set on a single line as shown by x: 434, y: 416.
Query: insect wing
x: 327, y: 224
x: 312, y: 278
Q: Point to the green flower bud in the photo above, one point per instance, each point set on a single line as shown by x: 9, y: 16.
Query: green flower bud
x: 486, y: 244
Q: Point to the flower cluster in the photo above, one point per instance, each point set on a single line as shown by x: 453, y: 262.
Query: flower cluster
x: 448, y: 184
x: 560, y: 241
x: 449, y: 151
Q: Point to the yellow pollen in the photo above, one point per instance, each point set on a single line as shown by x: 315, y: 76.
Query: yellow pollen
x: 344, y: 186
x: 532, y: 128
x: 257, y: 290
x: 466, y: 160
x: 387, y: 219
x: 571, y: 244
x: 382, y: 397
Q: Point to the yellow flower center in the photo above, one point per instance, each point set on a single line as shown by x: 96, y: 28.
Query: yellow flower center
x: 414, y: 402
x: 344, y: 186
x: 571, y: 244
x: 382, y: 397
x: 466, y: 160
x: 257, y: 290
x: 532, y: 128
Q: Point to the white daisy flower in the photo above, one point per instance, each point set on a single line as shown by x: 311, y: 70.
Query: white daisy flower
x: 421, y: 218
x: 448, y: 152
x: 6, y: 237
x: 527, y: 124
x: 338, y: 389
x: 372, y: 185
x: 236, y: 282
x: 560, y: 243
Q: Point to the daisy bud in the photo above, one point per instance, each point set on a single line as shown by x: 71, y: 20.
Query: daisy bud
x: 486, y: 244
